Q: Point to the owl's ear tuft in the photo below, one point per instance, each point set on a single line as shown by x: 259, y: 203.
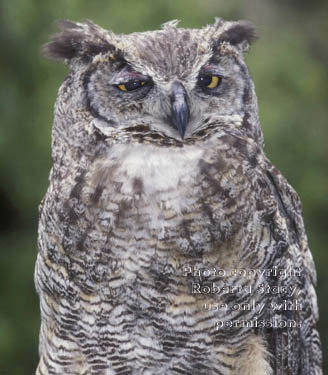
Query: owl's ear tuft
x: 77, y: 40
x: 240, y: 34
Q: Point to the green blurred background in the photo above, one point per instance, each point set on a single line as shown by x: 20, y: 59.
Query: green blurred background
x: 289, y: 67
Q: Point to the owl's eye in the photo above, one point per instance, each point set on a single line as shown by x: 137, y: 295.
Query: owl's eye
x: 209, y: 81
x: 131, y: 85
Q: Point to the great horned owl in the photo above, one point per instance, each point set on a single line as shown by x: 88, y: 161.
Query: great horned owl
x: 168, y: 242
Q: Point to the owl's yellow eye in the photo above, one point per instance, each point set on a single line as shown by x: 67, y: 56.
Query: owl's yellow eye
x: 215, y: 80
x: 122, y: 87
x: 131, y: 85
x: 209, y: 81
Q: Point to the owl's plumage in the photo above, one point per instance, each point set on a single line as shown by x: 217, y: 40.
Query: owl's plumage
x: 160, y: 187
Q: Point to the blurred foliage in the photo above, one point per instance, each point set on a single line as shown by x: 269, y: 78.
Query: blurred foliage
x: 289, y: 68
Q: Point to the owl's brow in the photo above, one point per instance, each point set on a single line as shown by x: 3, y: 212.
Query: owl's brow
x: 209, y: 68
x: 212, y: 69
x: 129, y: 73
x: 133, y: 76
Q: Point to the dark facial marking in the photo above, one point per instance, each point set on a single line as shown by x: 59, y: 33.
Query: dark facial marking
x: 89, y: 107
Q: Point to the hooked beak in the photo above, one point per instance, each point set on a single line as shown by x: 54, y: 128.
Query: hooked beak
x: 179, y: 108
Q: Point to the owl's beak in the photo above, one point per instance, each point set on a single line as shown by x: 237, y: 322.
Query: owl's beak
x: 179, y: 107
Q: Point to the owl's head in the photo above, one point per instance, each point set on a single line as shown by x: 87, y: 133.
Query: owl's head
x: 171, y: 83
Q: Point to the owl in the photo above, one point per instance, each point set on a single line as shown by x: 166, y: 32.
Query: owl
x: 168, y: 242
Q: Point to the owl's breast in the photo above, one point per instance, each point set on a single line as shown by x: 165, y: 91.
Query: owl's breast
x: 188, y: 198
